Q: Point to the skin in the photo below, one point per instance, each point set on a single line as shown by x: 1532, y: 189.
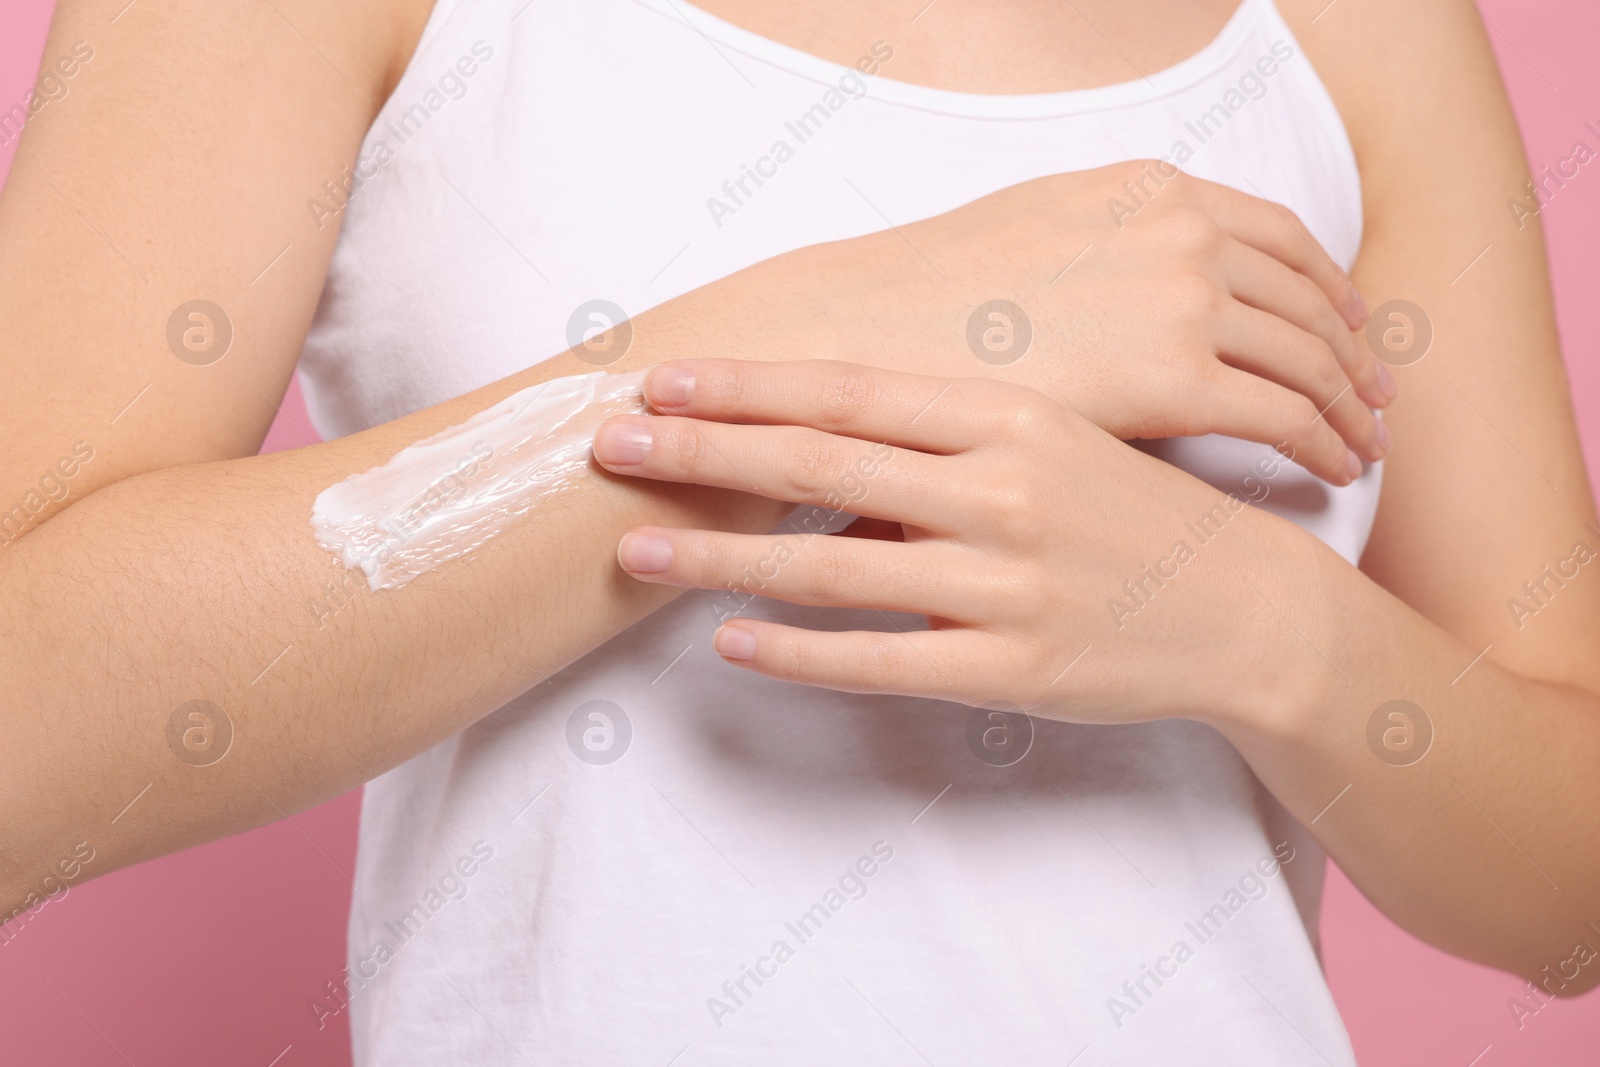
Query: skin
x: 1230, y: 317
x: 180, y: 564
x: 1489, y: 847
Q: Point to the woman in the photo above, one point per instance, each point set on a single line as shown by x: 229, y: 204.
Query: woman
x: 1018, y: 236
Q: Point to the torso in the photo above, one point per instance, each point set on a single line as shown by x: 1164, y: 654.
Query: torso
x: 1006, y: 905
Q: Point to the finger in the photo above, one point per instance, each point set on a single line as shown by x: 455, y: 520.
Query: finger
x: 921, y: 663
x: 1254, y: 409
x: 1263, y: 282
x: 792, y: 463
x: 814, y: 569
x: 1265, y: 345
x: 937, y: 415
x: 1277, y: 231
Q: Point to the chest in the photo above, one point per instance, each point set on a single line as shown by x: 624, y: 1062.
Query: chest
x: 525, y: 187
x: 993, y: 46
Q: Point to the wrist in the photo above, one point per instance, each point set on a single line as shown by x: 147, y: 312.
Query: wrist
x: 1278, y: 658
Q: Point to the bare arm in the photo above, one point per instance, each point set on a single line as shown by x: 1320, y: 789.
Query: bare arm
x: 179, y: 566
x: 1470, y: 813
x: 1490, y: 845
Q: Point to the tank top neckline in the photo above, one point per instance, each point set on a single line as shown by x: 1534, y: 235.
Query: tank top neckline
x: 993, y: 106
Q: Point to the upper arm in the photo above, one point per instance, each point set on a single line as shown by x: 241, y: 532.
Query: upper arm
x: 1485, y: 484
x: 173, y: 164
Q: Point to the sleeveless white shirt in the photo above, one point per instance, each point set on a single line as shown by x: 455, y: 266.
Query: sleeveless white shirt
x: 655, y: 858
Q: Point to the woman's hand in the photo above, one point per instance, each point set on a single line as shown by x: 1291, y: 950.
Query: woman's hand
x: 1061, y: 571
x: 1206, y: 311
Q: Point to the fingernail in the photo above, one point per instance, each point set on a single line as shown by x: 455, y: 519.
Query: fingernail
x: 1358, y: 305
x: 1353, y: 464
x: 734, y: 642
x: 1386, y: 382
x: 1384, y: 437
x: 622, y: 443
x: 670, y: 387
x: 644, y: 553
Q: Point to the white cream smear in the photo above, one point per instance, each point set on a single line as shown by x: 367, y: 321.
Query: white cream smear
x: 450, y: 493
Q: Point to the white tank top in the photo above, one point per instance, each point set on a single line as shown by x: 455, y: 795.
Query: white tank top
x: 655, y: 858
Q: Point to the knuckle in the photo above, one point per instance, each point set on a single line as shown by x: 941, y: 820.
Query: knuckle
x: 1010, y: 412
x: 1026, y: 419
x: 845, y: 395
x: 1364, y: 373
x: 1358, y: 367
x: 1005, y: 497
x: 975, y: 394
x: 724, y: 385
x: 883, y: 659
x: 789, y: 659
x: 686, y: 447
x: 1132, y: 170
x: 1190, y: 231
x: 1290, y: 216
x: 1007, y: 500
x: 710, y: 561
x: 811, y: 466
x: 1312, y: 300
x: 828, y: 576
x: 1366, y: 433
x: 1193, y: 297
x: 1325, y: 320
x: 1328, y: 376
x: 1035, y: 657
x: 1329, y: 324
x: 1038, y: 596
x: 1175, y: 180
x: 1299, y: 422
x: 1312, y: 295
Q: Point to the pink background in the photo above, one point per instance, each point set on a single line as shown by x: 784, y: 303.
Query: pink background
x: 211, y: 956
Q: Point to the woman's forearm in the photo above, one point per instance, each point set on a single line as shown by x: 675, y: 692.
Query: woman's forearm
x: 1470, y: 813
x: 205, y: 583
